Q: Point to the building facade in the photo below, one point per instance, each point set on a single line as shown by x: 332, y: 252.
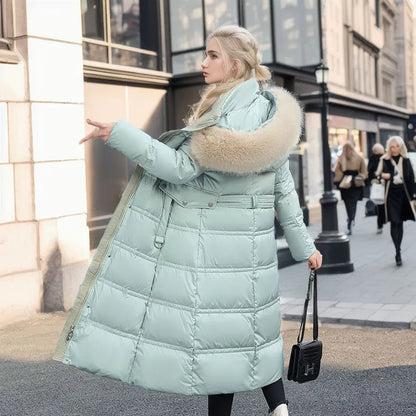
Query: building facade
x: 138, y: 60
x: 369, y: 48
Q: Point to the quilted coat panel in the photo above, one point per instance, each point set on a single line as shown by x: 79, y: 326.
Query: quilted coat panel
x: 183, y: 294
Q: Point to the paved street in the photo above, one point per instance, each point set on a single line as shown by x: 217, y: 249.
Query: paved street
x: 368, y: 367
x: 366, y: 371
x: 376, y: 293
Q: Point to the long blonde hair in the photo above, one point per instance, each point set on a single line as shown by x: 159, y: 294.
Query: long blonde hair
x: 237, y: 45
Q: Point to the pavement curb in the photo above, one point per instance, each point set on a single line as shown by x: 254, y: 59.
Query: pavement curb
x: 355, y: 322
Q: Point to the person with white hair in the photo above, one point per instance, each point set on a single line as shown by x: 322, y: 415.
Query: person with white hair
x: 373, y: 161
x: 396, y: 169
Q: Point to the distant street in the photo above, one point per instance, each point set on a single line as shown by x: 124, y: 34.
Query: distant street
x: 366, y: 371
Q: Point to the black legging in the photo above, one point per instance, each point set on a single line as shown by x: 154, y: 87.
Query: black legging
x: 396, y: 232
x: 380, y: 216
x: 351, y: 208
x: 221, y: 404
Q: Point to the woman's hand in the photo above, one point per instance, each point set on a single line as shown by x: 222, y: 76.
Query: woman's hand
x: 315, y: 261
x: 385, y: 176
x: 102, y: 130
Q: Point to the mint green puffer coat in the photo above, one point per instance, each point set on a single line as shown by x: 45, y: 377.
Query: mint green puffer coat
x: 183, y: 294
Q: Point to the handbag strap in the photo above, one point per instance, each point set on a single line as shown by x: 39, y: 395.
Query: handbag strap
x: 312, y: 280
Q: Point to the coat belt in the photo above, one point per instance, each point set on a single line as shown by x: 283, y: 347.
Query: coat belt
x: 190, y: 197
x: 246, y: 201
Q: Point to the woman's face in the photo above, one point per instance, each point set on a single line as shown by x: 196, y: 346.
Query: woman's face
x: 394, y: 148
x: 215, y: 63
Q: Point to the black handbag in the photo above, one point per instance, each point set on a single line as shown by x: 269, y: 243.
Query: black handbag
x: 305, y: 358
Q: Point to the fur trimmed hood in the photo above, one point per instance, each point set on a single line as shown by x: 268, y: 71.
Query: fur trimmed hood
x: 244, y: 152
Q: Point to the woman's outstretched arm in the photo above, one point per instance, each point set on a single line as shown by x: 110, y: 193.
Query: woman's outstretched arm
x: 160, y: 160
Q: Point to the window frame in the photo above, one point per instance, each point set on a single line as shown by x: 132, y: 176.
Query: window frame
x: 365, y: 48
x: 240, y: 8
x: 8, y: 56
x: 241, y: 21
x: 110, y: 70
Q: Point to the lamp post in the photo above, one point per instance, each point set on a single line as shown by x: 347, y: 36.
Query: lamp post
x: 333, y: 245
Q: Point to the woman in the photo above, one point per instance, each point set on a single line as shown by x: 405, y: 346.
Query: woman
x: 373, y: 161
x: 350, y: 173
x: 396, y: 169
x: 183, y: 295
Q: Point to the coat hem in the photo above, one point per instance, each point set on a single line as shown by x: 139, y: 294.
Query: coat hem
x: 95, y: 266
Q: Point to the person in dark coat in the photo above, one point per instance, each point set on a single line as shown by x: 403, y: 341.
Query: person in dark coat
x: 373, y: 161
x: 396, y: 169
x: 350, y: 165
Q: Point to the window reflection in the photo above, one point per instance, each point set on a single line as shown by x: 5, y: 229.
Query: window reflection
x: 187, y: 62
x: 186, y: 24
x: 124, y: 33
x: 257, y: 16
x: 94, y: 52
x: 92, y: 19
x: 125, y: 22
x: 296, y: 32
x: 130, y: 58
x: 219, y: 13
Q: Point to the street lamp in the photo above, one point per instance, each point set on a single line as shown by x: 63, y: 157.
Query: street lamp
x: 333, y: 245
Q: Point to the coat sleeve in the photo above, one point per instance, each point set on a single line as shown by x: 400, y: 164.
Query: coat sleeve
x: 412, y: 178
x: 338, y: 174
x: 174, y: 166
x: 290, y: 214
x: 363, y: 169
x: 380, y: 168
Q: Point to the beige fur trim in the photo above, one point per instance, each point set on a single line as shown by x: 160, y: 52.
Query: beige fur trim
x: 245, y: 152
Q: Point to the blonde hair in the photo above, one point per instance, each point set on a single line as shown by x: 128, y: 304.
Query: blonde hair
x: 400, y: 142
x: 348, y: 150
x: 238, y: 45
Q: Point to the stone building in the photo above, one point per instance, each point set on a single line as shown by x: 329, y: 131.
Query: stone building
x: 370, y: 51
x: 62, y: 61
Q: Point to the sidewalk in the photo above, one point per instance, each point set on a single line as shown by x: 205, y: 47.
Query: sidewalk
x: 377, y: 293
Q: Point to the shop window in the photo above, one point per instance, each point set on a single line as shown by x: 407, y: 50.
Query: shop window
x: 337, y: 139
x: 258, y: 22
x: 219, y: 13
x: 187, y: 35
x: 191, y: 21
x: 121, y: 32
x: 296, y: 32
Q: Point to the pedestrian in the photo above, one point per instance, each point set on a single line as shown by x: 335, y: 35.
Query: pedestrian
x: 396, y: 169
x: 350, y: 173
x: 373, y: 161
x: 183, y: 294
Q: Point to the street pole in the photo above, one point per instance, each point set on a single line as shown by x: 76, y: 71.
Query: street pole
x: 334, y: 246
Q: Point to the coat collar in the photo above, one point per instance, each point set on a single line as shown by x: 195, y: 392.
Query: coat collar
x: 239, y: 97
x: 242, y: 152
